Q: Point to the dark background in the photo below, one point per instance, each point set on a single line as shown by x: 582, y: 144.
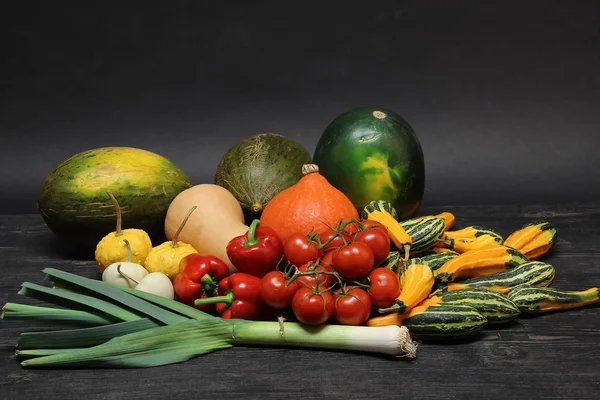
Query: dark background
x: 504, y: 95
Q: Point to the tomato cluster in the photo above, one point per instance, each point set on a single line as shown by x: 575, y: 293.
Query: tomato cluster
x: 332, y: 273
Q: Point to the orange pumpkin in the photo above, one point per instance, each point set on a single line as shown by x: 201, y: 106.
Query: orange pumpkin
x: 311, y: 204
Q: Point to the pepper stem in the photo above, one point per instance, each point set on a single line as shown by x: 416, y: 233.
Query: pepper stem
x: 208, y: 282
x: 176, y: 235
x: 227, y: 298
x: 252, y: 240
x: 118, y: 232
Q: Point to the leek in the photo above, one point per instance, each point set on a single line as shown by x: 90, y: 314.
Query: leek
x: 171, y: 305
x: 116, y: 295
x: 391, y: 340
x: 149, y: 348
x: 25, y: 354
x: 181, y: 342
x: 84, y: 337
x: 77, y: 301
x: 23, y: 311
x: 157, y: 331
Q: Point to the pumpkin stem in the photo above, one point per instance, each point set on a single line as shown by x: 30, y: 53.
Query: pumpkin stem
x: 176, y: 235
x: 128, y: 259
x: 118, y: 212
x: 308, y: 169
x: 123, y: 274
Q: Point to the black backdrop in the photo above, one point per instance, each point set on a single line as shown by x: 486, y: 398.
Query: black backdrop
x: 504, y: 95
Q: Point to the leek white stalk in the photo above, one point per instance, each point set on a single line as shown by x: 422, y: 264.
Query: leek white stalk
x: 393, y: 340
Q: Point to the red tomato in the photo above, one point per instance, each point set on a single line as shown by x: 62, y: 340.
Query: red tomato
x: 369, y: 222
x: 299, y: 250
x: 333, y: 239
x: 352, y: 307
x: 353, y: 261
x: 378, y: 241
x: 312, y: 308
x: 385, y: 287
x: 275, y: 292
x: 327, y: 259
x: 351, y: 228
x: 325, y: 280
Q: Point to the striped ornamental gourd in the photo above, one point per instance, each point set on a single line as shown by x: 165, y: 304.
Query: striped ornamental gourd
x: 535, y: 273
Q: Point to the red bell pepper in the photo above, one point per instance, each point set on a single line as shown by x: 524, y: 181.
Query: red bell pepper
x: 239, y: 297
x: 198, y: 277
x: 256, y: 252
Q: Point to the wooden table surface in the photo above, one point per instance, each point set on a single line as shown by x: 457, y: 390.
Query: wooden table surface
x: 551, y: 356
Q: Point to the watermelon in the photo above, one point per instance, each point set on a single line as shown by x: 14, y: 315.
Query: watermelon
x: 74, y: 201
x: 373, y: 154
x: 257, y: 168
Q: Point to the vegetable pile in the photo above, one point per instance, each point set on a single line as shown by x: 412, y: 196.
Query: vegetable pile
x: 310, y: 269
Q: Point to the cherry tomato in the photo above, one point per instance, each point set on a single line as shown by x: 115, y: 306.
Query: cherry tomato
x: 378, y: 241
x: 385, y: 287
x: 325, y: 280
x: 351, y: 228
x: 352, y: 307
x: 299, y: 250
x: 353, y: 261
x: 312, y: 308
x: 333, y: 239
x: 369, y: 222
x: 327, y: 259
x: 275, y: 292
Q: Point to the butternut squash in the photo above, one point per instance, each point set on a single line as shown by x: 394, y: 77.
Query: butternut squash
x: 217, y: 219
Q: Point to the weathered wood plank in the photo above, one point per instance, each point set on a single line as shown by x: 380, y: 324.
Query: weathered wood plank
x: 549, y: 357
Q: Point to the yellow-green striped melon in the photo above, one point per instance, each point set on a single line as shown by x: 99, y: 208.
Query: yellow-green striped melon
x: 74, y: 201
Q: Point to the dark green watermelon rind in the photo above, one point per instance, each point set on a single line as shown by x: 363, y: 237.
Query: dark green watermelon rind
x: 357, y: 136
